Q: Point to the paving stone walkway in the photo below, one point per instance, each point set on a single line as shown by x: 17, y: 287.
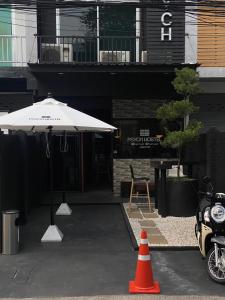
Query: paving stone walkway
x: 162, y: 232
x: 140, y: 218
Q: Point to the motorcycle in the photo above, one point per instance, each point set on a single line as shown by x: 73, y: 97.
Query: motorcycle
x: 210, y: 231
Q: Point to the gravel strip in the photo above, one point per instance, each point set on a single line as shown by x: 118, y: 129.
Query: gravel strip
x: 179, y: 232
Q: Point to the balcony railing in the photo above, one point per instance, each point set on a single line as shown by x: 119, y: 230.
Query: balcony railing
x: 12, y: 51
x: 79, y: 49
x: 105, y: 50
x: 115, y: 50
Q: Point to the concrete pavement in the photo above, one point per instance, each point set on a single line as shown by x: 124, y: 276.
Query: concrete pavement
x: 95, y: 258
x: 128, y: 297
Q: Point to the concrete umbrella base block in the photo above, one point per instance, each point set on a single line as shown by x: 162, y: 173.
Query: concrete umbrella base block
x: 52, y: 234
x: 64, y: 210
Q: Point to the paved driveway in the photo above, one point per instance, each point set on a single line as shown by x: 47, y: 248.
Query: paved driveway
x: 184, y: 273
x: 95, y: 258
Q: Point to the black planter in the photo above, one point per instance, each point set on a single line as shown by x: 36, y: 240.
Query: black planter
x: 182, y: 197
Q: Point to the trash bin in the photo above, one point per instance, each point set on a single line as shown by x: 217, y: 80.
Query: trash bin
x: 0, y: 232
x: 10, y: 232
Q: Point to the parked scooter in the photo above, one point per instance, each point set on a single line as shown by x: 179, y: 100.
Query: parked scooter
x: 210, y: 231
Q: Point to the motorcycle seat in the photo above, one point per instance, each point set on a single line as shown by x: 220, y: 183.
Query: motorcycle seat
x: 219, y: 240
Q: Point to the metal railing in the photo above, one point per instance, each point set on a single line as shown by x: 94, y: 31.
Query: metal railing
x: 79, y: 49
x: 116, y: 50
x: 12, y: 51
x: 105, y: 50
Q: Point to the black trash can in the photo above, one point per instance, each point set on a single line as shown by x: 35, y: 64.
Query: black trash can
x: 10, y: 232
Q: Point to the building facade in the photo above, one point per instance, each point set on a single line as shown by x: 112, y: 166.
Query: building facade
x: 114, y: 61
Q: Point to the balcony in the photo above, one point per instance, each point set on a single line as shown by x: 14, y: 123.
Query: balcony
x: 79, y: 50
x: 107, y: 50
x: 90, y: 50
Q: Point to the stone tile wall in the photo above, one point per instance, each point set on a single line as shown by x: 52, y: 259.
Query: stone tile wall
x: 137, y: 109
x: 134, y: 108
x: 121, y: 171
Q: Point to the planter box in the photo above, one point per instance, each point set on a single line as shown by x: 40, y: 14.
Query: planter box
x: 182, y: 197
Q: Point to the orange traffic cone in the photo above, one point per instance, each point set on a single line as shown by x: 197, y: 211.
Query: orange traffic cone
x: 144, y: 282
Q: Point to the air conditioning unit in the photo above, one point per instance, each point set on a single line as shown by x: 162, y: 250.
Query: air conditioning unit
x: 66, y: 53
x: 50, y: 52
x: 114, y: 56
x: 144, y: 56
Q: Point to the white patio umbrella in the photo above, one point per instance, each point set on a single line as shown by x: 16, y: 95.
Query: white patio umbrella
x: 50, y: 115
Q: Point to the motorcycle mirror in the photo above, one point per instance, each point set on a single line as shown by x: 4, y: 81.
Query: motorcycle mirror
x: 206, y: 180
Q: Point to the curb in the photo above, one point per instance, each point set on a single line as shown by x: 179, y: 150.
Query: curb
x: 174, y: 248
x: 82, y: 203
x: 129, y: 229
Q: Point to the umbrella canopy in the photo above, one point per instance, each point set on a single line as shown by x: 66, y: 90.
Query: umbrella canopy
x: 52, y: 113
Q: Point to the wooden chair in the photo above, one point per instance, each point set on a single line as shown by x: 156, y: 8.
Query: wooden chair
x: 137, y: 184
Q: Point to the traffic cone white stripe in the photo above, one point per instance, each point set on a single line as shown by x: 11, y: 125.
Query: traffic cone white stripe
x: 143, y: 257
x: 144, y: 241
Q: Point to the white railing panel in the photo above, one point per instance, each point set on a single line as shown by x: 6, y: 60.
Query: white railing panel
x: 13, y: 51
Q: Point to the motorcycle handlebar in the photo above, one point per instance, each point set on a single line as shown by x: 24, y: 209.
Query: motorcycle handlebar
x: 208, y: 194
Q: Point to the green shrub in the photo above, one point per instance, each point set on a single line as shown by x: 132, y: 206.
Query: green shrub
x: 186, y: 83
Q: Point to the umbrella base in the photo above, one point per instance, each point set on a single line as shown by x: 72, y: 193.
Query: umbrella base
x: 52, y: 234
x: 64, y: 210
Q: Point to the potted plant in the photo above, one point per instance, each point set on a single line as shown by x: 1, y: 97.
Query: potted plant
x: 181, y: 191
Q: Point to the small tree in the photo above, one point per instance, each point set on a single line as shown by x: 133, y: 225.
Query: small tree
x: 186, y: 83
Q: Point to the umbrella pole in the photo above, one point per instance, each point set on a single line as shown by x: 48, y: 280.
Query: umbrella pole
x: 64, y: 209
x: 52, y: 234
x: 51, y: 177
x: 63, y: 179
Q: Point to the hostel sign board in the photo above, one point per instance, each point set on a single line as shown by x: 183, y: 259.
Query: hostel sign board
x: 144, y: 140
x: 164, y: 31
x: 166, y: 20
x: 139, y: 138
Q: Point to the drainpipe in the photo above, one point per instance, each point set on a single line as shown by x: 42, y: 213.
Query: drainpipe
x: 57, y: 25
x: 98, y: 32
x: 138, y: 33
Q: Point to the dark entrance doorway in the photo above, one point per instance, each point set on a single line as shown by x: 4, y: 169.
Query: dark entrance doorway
x: 87, y: 165
x: 97, y: 160
x: 67, y: 165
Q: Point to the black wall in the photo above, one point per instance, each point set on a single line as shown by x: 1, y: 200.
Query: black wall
x: 207, y: 157
x: 211, y: 111
x: 116, y: 85
x: 216, y: 158
x: 46, y: 21
x: 164, y: 51
x: 22, y: 173
x: 13, y: 101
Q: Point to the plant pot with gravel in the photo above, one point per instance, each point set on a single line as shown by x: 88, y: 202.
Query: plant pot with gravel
x: 181, y: 191
x: 182, y: 198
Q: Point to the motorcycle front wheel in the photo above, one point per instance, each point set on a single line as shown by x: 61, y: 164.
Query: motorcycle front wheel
x: 216, y: 273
